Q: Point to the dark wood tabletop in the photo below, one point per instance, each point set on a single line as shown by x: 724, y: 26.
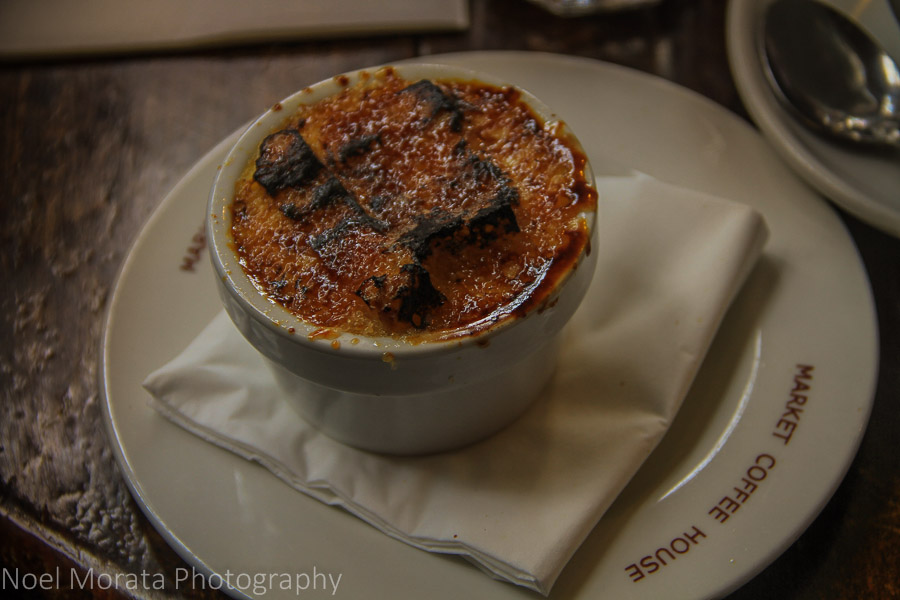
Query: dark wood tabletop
x: 93, y: 144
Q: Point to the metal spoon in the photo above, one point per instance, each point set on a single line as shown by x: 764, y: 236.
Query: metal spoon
x: 831, y: 72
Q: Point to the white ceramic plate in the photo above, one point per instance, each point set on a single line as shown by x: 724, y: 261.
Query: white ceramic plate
x: 865, y: 183
x: 804, y: 319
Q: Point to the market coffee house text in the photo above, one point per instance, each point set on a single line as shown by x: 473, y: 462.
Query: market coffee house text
x: 739, y: 492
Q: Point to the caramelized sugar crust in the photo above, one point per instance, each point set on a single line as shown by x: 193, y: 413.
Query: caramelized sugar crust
x: 414, y: 209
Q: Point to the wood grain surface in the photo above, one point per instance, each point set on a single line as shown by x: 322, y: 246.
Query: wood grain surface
x: 92, y: 146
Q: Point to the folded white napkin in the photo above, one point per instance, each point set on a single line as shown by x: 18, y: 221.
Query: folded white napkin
x: 50, y: 27
x: 520, y: 503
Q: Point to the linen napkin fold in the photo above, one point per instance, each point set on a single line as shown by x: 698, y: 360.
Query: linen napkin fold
x: 518, y: 504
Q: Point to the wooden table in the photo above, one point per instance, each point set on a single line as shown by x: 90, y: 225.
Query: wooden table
x: 91, y: 146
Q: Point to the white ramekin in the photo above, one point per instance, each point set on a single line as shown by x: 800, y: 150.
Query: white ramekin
x: 384, y: 394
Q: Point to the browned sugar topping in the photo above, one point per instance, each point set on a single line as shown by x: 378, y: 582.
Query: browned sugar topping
x: 417, y: 209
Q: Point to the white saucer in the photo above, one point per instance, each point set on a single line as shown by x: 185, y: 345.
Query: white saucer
x: 865, y: 183
x: 807, y: 303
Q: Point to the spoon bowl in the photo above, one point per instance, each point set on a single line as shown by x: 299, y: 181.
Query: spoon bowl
x: 829, y: 71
